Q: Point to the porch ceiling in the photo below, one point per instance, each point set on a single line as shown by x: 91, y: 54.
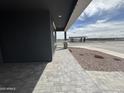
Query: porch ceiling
x: 60, y: 10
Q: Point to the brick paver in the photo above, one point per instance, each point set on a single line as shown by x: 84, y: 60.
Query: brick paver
x: 65, y: 75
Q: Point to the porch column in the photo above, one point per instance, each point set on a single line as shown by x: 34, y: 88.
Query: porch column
x: 55, y: 36
x: 65, y: 35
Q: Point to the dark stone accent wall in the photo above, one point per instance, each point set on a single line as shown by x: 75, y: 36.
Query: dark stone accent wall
x: 26, y: 36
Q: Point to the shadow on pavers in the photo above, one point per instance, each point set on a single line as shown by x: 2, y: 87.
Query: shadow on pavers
x: 20, y: 77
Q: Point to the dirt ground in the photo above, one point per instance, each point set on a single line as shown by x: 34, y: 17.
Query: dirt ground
x: 97, y: 61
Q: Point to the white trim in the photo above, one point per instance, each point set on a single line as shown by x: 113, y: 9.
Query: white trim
x: 54, y: 25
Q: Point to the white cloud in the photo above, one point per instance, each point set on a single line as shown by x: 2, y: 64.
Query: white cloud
x: 102, y: 21
x: 97, y: 6
x: 102, y: 28
x: 99, y: 29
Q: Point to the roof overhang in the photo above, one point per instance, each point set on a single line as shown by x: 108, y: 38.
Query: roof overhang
x: 63, y: 13
x: 79, y: 8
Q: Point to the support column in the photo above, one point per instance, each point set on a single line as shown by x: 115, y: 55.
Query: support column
x: 55, y: 36
x: 65, y: 35
x: 81, y: 39
x: 65, y: 42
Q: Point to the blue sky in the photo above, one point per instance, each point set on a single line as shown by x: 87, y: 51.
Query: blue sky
x: 102, y: 18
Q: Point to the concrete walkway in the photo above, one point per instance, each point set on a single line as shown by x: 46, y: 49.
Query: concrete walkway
x: 65, y: 75
x: 117, y: 46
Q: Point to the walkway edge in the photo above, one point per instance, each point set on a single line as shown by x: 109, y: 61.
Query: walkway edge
x: 102, y: 50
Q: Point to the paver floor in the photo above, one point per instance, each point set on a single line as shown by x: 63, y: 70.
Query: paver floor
x: 65, y: 75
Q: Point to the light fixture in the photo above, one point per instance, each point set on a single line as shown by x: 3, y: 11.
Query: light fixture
x: 60, y: 16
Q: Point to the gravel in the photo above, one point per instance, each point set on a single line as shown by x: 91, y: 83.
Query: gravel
x: 97, y: 61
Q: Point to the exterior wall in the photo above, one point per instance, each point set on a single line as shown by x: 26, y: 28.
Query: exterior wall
x: 26, y: 36
x: 53, y: 41
x: 1, y: 59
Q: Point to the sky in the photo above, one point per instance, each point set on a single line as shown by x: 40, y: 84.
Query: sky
x: 102, y: 18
